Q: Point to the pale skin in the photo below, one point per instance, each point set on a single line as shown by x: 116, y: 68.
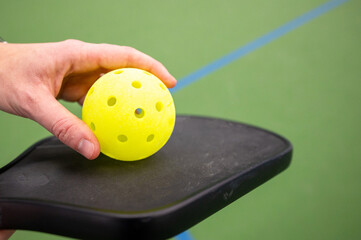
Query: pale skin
x: 34, y: 76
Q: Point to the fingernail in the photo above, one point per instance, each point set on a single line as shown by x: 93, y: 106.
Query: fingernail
x: 86, y: 148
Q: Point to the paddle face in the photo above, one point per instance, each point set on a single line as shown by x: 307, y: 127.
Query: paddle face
x: 206, y: 165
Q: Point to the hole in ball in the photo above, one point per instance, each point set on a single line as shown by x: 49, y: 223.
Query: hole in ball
x: 111, y: 101
x: 118, y: 72
x: 136, y: 84
x: 159, y: 106
x: 92, y: 126
x: 139, y: 112
x: 122, y: 138
x: 162, y: 86
x: 150, y: 138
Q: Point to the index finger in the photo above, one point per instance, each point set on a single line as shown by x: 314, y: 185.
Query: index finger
x: 90, y: 56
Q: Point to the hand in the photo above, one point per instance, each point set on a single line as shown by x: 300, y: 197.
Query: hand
x: 33, y: 76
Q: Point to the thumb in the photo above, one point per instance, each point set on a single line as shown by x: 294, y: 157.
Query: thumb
x: 65, y: 126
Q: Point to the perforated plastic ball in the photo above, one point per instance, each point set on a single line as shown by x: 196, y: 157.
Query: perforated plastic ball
x: 131, y: 112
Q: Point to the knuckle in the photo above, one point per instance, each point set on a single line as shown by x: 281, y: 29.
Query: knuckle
x: 156, y: 65
x: 71, y: 46
x: 71, y: 52
x: 72, y: 42
x: 129, y: 50
x: 62, y: 129
x: 131, y: 55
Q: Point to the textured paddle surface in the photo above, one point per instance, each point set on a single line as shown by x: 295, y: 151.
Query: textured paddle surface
x: 201, y: 153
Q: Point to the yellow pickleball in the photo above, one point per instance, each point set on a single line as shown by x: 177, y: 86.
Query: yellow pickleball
x: 131, y: 112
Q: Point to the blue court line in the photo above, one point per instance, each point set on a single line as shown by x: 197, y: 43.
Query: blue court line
x: 184, y: 236
x: 254, y: 45
x: 250, y: 47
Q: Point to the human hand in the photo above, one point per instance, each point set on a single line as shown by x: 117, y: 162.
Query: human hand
x: 33, y: 76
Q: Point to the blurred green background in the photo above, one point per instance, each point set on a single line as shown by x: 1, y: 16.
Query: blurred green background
x: 305, y: 86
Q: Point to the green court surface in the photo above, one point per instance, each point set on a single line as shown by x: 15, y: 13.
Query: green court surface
x: 304, y: 85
